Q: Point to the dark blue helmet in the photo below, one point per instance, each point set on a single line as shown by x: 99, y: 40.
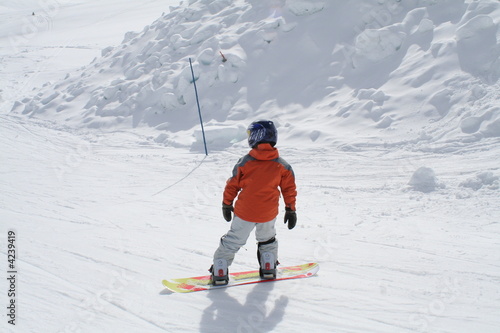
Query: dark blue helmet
x: 262, y: 131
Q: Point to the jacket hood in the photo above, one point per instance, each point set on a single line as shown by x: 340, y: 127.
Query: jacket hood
x: 264, y: 152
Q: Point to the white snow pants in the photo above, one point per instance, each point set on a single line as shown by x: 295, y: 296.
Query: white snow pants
x: 237, y: 236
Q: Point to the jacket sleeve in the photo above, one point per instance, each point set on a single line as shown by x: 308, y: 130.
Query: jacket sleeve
x: 232, y: 186
x: 288, y: 188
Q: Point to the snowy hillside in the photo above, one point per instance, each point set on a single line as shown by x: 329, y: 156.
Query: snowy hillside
x: 389, y: 71
x: 387, y: 110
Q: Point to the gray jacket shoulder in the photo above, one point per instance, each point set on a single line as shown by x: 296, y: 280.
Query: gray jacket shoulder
x: 285, y: 164
x: 241, y: 162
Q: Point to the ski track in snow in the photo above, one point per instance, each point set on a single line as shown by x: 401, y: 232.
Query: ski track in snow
x: 102, y: 215
x: 429, y: 256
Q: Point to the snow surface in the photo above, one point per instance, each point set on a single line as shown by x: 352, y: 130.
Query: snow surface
x: 388, y: 111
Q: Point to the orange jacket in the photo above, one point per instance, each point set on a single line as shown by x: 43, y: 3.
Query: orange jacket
x: 256, y: 178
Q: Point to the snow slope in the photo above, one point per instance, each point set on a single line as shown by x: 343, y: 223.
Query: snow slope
x: 349, y: 72
x: 388, y: 111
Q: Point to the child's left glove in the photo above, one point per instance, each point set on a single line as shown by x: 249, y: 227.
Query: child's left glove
x: 290, y: 217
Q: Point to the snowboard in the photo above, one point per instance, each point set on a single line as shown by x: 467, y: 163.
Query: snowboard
x: 200, y: 283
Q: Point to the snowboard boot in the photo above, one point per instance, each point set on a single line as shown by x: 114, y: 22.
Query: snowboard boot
x: 267, y: 261
x: 267, y: 269
x: 220, y: 274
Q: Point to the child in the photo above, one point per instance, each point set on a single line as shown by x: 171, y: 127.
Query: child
x: 255, y: 180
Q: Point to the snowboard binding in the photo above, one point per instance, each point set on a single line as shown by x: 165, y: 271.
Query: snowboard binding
x: 267, y: 261
x: 267, y: 269
x: 220, y: 274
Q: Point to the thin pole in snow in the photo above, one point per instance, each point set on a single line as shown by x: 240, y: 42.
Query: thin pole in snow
x: 198, y: 103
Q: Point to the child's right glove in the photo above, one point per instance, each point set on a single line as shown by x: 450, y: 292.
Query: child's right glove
x: 226, y: 212
x: 290, y: 217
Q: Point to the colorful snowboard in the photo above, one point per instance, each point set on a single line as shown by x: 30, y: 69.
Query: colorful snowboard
x: 199, y: 283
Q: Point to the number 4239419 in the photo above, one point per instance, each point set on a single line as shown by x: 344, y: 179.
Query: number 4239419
x: 11, y: 249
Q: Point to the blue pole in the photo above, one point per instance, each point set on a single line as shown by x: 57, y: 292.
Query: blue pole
x: 198, y: 103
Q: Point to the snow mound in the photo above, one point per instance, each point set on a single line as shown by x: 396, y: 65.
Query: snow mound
x: 482, y: 180
x: 478, y: 48
x: 424, y: 180
x: 301, y: 7
x: 414, y: 73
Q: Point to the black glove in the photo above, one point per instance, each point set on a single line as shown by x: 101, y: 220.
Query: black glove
x: 291, y: 218
x: 226, y: 212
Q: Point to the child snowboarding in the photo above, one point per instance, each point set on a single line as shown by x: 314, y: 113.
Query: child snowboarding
x: 255, y: 182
